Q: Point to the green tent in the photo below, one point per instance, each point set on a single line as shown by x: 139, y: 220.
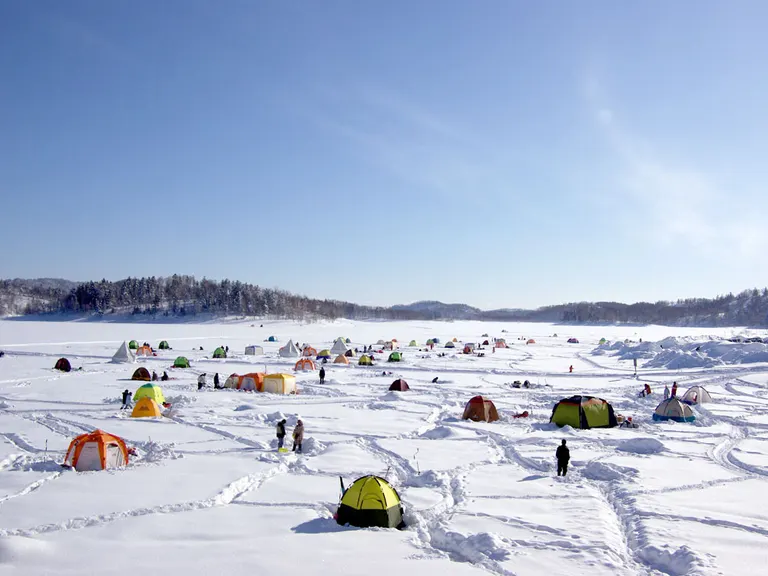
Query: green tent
x: 271, y: 339
x: 395, y: 357
x: 583, y: 412
x: 133, y: 345
x: 450, y: 344
x: 365, y: 361
x: 348, y: 341
x: 164, y: 345
x: 219, y: 353
x: 181, y: 362
x: 430, y: 342
x: 412, y: 343
x: 603, y: 341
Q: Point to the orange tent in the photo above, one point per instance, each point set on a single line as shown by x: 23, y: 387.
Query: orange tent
x: 501, y: 344
x: 305, y: 364
x: 309, y: 352
x: 531, y: 341
x: 341, y: 359
x: 253, y: 382
x: 144, y: 351
x: 479, y: 408
x: 96, y: 451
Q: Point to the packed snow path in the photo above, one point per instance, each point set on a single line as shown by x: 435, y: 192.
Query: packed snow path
x: 208, y: 493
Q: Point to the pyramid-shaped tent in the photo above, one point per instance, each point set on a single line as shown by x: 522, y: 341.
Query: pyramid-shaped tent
x: 123, y: 355
x: 339, y: 347
x: 289, y: 350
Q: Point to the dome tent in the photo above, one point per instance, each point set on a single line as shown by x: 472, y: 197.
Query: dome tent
x: 583, y: 412
x: 271, y: 339
x: 219, y: 353
x: 413, y: 343
x: 304, y: 365
x: 152, y: 391
x: 308, y: 351
x: 97, y: 450
x: 450, y: 344
x: 500, y: 344
x: 163, y: 345
x: 573, y: 340
x: 252, y: 382
x: 350, y: 353
x: 370, y: 502
x: 673, y: 409
x: 181, y: 362
x: 400, y: 385
x: 133, y: 345
x: 324, y: 355
x: 348, y: 341
x: 696, y: 395
x: 395, y: 357
x: 365, y: 361
x: 480, y: 409
x: 63, y: 365
x: 141, y: 373
x: 341, y: 359
x: 144, y: 351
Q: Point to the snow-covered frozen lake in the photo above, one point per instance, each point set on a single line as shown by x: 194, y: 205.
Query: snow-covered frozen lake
x: 208, y: 493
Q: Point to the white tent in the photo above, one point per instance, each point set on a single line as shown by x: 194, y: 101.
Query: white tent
x: 339, y: 347
x: 696, y: 395
x: 254, y: 351
x: 289, y: 350
x: 123, y: 355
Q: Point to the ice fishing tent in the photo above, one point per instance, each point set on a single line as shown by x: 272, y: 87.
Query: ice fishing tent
x: 469, y: 348
x: 380, y: 343
x: 531, y: 341
x: 163, y: 345
x: 479, y: 409
x: 289, y: 350
x: 304, y: 365
x: 486, y: 343
x: 395, y: 357
x: 602, y: 341
x: 96, y: 451
x: 696, y: 395
x: 341, y: 359
x: 133, y: 345
x: 141, y: 374
x: 309, y: 351
x: 339, y: 347
x: 501, y: 344
x: 370, y: 502
x: 144, y: 351
x: 573, y: 340
x: 430, y: 342
x: 254, y: 351
x: 450, y: 344
x: 146, y: 408
x: 365, y: 361
x: 673, y: 409
x: 390, y: 345
x: 350, y: 353
x: 63, y: 365
x: 219, y: 353
x: 271, y: 339
x: 583, y: 412
x: 324, y: 355
x: 181, y: 362
x: 436, y: 340
x: 152, y: 391
x: 123, y: 355
x: 252, y: 382
x: 413, y: 343
x: 348, y: 341
x: 400, y: 385
x: 279, y: 384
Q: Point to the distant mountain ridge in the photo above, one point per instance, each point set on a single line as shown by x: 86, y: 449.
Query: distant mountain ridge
x: 185, y: 295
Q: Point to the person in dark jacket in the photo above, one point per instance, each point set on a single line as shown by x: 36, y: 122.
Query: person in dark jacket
x: 164, y: 377
x: 298, y: 436
x: 216, y: 381
x: 126, y: 400
x: 201, y: 381
x: 154, y: 376
x: 563, y: 456
x: 322, y: 375
x: 280, y: 433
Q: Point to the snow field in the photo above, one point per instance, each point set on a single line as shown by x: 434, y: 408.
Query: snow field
x: 208, y: 493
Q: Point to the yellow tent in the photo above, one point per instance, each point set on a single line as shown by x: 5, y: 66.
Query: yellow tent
x: 152, y: 391
x: 279, y: 384
x: 146, y: 408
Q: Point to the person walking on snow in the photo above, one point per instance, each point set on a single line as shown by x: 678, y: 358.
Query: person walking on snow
x: 280, y: 433
x: 322, y: 375
x: 298, y: 436
x: 563, y: 455
x: 126, y: 400
x: 674, y: 389
x: 201, y: 381
x: 216, y: 381
x: 570, y: 369
x: 666, y: 392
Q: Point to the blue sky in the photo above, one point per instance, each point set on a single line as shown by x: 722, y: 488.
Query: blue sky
x: 496, y: 153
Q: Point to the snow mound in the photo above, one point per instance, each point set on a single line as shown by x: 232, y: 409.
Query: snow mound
x: 681, y: 562
x: 4, y: 405
x: 476, y: 548
x: 156, y: 452
x: 607, y: 472
x: 180, y: 400
x: 641, y: 446
x: 439, y: 433
x: 244, y: 407
x: 312, y: 447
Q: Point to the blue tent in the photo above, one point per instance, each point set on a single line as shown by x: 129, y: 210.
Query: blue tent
x: 673, y: 409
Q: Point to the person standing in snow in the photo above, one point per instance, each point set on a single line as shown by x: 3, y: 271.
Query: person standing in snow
x: 674, y: 389
x: 280, y: 433
x: 126, y: 400
x: 164, y: 377
x: 216, y: 381
x: 201, y: 381
x: 154, y: 376
x: 570, y: 369
x: 322, y: 375
x: 666, y: 392
x: 563, y: 455
x: 298, y: 436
